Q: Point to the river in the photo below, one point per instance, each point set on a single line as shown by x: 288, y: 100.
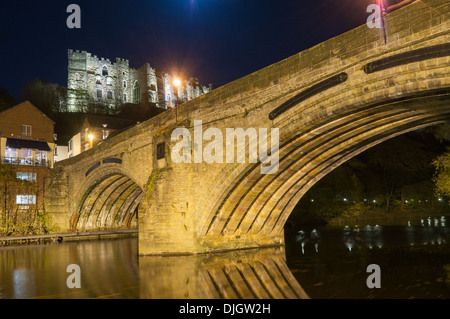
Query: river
x: 412, y: 260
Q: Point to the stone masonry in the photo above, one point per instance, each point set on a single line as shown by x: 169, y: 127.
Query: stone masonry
x: 329, y: 103
x: 115, y: 83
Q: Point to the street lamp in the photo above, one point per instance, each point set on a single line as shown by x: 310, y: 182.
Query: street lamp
x: 91, y: 139
x: 176, y: 83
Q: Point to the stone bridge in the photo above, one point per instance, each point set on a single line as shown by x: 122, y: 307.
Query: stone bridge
x: 329, y: 103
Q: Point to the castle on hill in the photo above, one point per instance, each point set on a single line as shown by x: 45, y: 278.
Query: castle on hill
x: 93, y: 80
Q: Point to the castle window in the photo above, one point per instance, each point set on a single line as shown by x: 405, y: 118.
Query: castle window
x: 99, y: 94
x: 124, y: 97
x: 124, y: 84
x: 108, y: 81
x: 77, y: 77
x: 109, y: 95
x: 98, y: 82
x: 136, y: 93
x: 152, y: 87
x: 105, y: 71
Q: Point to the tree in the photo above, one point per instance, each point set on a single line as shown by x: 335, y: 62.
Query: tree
x: 6, y: 99
x: 139, y: 112
x: 85, y: 103
x: 400, y: 162
x: 442, y: 163
x: 442, y: 177
x: 46, y: 96
x: 7, y: 176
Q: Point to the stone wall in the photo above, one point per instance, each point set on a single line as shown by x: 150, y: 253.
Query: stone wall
x: 198, y: 207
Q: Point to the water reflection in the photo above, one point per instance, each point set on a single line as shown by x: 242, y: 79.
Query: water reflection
x: 113, y: 269
x: 303, y: 239
x: 370, y: 236
x: 109, y: 269
x: 245, y: 274
x: 431, y: 231
x: 414, y: 258
x: 435, y: 232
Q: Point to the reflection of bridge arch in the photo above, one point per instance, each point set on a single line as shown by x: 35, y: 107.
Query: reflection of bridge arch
x: 249, y: 274
x: 108, y: 199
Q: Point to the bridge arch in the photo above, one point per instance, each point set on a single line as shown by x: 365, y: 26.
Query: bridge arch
x: 252, y: 204
x: 108, y: 199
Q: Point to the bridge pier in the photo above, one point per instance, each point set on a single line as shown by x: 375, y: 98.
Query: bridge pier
x: 170, y: 220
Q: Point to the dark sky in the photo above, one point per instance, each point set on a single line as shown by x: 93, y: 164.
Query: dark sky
x: 216, y: 41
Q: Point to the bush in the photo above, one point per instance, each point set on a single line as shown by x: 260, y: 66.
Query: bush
x: 355, y: 210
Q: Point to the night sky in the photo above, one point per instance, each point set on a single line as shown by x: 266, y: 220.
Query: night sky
x: 217, y: 41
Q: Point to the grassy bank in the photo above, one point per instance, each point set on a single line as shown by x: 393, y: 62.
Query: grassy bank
x: 381, y: 217
x: 369, y: 216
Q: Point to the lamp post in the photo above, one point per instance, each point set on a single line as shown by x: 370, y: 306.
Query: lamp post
x: 176, y: 83
x: 91, y: 139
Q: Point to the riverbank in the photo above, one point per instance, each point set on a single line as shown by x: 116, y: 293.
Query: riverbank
x: 381, y: 217
x: 370, y: 217
x: 75, y: 236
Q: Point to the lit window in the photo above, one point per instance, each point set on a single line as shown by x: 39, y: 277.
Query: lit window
x: 25, y: 156
x: 25, y: 176
x: 10, y: 153
x: 26, y: 199
x: 105, y: 134
x: 136, y: 93
x: 26, y: 130
x: 40, y: 157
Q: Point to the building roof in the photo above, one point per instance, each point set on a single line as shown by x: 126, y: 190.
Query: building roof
x: 26, y: 104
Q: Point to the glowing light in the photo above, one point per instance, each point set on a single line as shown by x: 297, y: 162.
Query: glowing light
x: 91, y: 137
x: 177, y: 82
